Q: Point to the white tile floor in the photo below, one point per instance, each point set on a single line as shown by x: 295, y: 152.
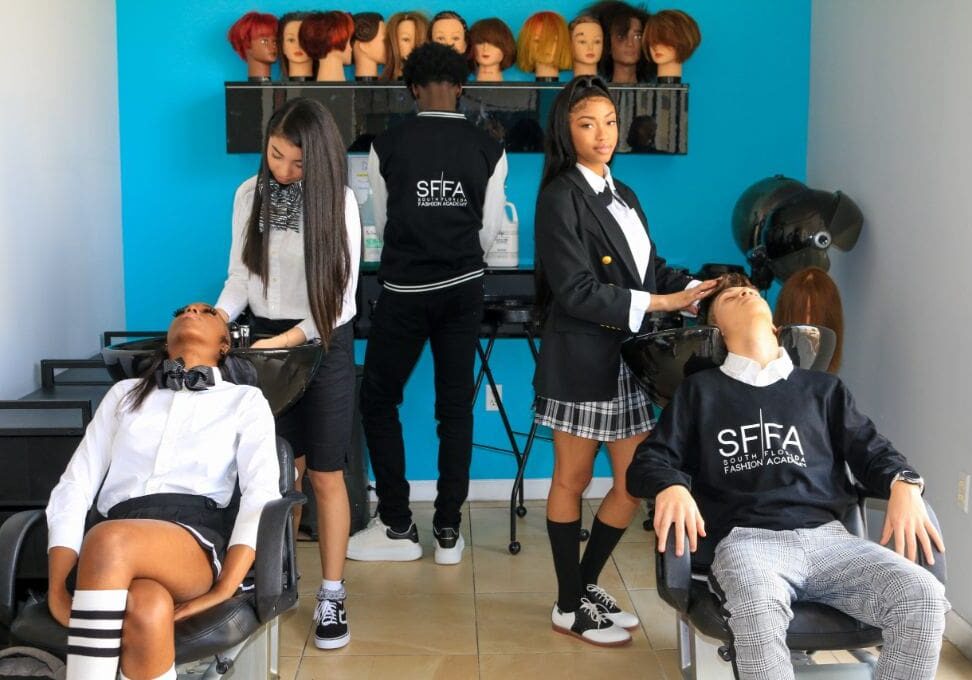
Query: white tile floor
x: 489, y: 617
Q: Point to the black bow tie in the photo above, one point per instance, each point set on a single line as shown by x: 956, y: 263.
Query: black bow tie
x: 607, y: 196
x: 174, y: 376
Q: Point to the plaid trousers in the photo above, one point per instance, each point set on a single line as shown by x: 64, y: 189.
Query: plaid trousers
x: 759, y: 572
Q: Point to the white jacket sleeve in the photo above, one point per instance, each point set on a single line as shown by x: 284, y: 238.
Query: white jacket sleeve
x: 379, y: 192
x: 494, y: 204
x: 75, y: 492
x: 234, y: 297
x: 257, y: 466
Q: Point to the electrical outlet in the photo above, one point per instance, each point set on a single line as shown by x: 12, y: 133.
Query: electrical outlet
x: 964, y: 487
x: 491, y: 398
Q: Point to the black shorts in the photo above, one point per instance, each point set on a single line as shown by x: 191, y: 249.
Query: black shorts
x: 199, y: 515
x: 319, y: 424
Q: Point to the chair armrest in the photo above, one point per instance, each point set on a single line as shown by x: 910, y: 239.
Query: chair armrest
x: 275, y: 568
x: 673, y: 575
x: 13, y: 533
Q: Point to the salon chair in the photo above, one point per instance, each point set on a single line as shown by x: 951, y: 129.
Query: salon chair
x: 660, y: 361
x: 705, y: 640
x: 241, y: 634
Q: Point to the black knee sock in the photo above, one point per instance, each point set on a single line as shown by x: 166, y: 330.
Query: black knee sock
x: 599, y: 548
x: 565, y: 543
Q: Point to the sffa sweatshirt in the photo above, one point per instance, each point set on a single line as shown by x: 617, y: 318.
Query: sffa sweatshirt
x: 437, y: 181
x: 768, y: 457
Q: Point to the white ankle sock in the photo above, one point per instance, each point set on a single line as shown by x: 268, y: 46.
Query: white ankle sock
x: 333, y: 585
x: 94, y: 635
x: 168, y: 675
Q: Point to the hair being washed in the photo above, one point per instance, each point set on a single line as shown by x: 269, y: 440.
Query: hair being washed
x: 309, y: 126
x: 726, y: 281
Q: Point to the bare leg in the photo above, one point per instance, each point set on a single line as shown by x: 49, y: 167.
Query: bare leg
x: 147, y: 640
x: 619, y: 507
x: 136, y: 555
x: 333, y: 520
x: 573, y: 468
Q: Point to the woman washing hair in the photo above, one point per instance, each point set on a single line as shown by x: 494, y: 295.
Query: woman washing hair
x: 599, y: 273
x: 294, y: 261
x: 173, y: 445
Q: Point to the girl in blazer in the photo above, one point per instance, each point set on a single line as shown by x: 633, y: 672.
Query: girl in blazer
x: 598, y: 275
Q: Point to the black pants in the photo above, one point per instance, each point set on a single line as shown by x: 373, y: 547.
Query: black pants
x: 449, y: 319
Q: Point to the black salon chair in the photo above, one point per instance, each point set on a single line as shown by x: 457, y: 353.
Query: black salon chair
x: 704, y: 638
x: 241, y: 631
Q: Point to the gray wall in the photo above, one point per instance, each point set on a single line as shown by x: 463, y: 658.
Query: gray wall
x: 60, y: 199
x: 891, y: 125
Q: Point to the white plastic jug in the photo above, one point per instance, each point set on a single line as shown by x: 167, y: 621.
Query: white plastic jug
x: 505, y: 251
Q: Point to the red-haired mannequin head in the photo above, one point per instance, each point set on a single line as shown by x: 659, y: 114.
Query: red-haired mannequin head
x: 326, y: 36
x: 670, y: 38
x: 543, y: 46
x: 493, y: 49
x: 254, y: 38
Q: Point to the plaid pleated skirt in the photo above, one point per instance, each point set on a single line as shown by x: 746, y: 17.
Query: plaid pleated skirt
x: 625, y: 415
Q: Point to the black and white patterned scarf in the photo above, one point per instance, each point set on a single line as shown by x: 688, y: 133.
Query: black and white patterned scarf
x: 286, y: 205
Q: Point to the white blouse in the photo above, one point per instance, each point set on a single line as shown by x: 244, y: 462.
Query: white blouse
x: 286, y: 296
x: 190, y: 442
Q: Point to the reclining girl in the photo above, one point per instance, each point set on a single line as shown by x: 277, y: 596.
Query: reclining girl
x: 169, y: 448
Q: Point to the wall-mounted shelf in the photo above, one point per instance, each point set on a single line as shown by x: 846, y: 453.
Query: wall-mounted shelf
x: 653, y: 118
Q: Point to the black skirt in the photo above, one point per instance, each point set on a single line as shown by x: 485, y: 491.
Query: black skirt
x: 199, y: 515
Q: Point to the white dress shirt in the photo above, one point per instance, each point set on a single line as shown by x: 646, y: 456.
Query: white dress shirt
x: 745, y: 370
x: 636, y: 234
x: 190, y: 442
x: 286, y: 296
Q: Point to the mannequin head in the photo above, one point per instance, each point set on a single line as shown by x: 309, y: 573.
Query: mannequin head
x: 448, y: 28
x: 811, y: 296
x: 493, y: 49
x: 623, y: 26
x: 670, y: 38
x: 368, y: 44
x: 254, y: 38
x: 543, y: 46
x: 435, y: 74
x: 326, y: 37
x: 294, y: 61
x: 403, y: 33
x: 586, y: 44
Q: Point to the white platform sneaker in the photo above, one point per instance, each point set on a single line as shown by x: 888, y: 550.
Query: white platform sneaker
x: 378, y: 543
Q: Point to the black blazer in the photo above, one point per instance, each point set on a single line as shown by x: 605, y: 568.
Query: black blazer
x: 584, y: 257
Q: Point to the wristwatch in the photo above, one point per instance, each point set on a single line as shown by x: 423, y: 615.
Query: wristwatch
x: 909, y: 477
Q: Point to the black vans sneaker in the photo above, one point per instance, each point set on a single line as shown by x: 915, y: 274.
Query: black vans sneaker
x: 332, y: 630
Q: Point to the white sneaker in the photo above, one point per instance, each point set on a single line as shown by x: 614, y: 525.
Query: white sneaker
x: 590, y: 625
x: 448, y: 545
x: 377, y: 543
x: 609, y: 607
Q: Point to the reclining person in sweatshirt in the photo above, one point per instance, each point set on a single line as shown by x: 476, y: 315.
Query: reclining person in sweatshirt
x: 748, y: 463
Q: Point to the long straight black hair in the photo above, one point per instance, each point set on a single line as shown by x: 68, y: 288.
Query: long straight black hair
x: 306, y: 124
x: 559, y: 153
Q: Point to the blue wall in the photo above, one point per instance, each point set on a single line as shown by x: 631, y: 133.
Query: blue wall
x: 748, y: 119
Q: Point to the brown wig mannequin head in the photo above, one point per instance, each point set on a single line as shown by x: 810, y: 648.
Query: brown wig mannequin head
x: 811, y: 296
x: 368, y: 44
x: 294, y: 60
x: 493, y: 48
x: 670, y: 38
x: 405, y: 31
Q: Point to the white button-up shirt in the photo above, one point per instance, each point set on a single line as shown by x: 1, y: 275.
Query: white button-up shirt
x: 189, y: 442
x: 747, y: 371
x: 286, y: 295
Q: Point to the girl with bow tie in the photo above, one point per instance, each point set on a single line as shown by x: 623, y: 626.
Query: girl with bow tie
x: 160, y: 459
x: 598, y: 275
x: 294, y: 262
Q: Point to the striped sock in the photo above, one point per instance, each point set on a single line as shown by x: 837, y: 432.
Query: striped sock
x: 94, y: 636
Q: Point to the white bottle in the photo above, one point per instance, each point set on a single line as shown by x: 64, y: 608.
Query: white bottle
x: 505, y: 251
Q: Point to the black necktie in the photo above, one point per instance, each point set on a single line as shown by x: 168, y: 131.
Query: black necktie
x: 174, y: 376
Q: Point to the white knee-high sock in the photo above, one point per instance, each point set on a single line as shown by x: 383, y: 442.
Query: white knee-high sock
x: 168, y: 675
x: 94, y: 635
